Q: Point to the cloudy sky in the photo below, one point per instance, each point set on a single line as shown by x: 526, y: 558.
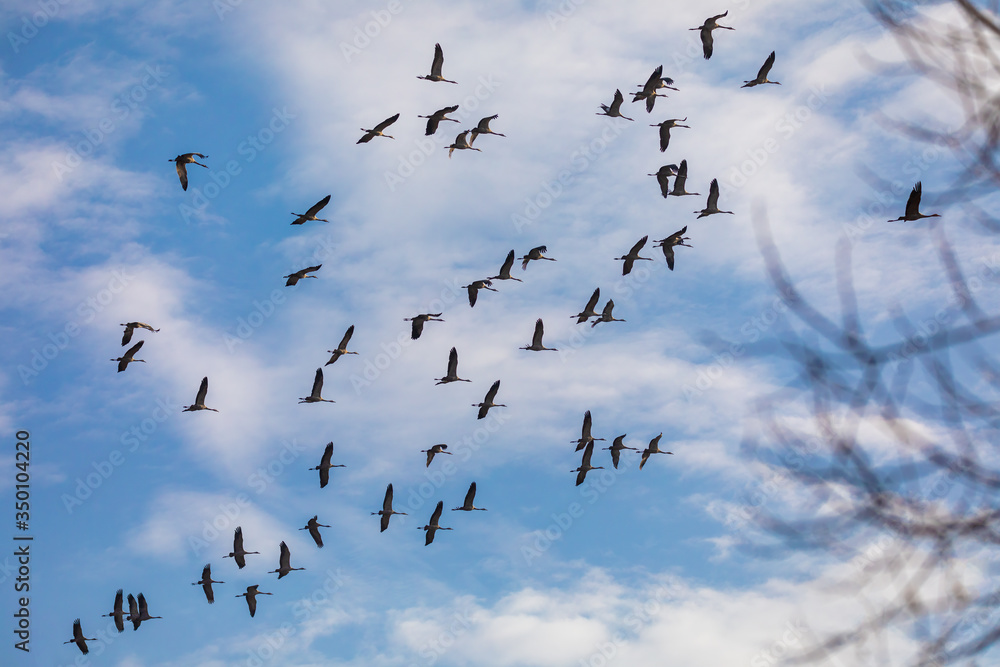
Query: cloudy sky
x: 634, y: 567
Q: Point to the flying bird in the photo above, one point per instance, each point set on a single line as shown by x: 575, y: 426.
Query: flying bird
x: 461, y: 144
x: 325, y: 465
x: 199, y: 400
x: 536, y: 339
x: 435, y: 119
x: 435, y: 74
x: 467, y: 504
x: 675, y: 239
x: 534, y: 253
x: 186, y: 159
x: 293, y: 278
x: 433, y: 526
x: 313, y: 526
x: 589, y: 311
x: 251, y: 596
x: 284, y: 562
x: 653, y: 448
x: 585, y: 466
x: 417, y: 326
x: 912, y: 208
x: 606, y: 315
x: 238, y: 553
x: 315, y: 396
x: 311, y: 213
x: 615, y: 110
x: 488, y: 403
x: 79, y: 639
x: 132, y: 326
x: 706, y: 29
x: 633, y: 255
x: 655, y: 82
x: 452, y: 375
x: 342, y: 346
x: 680, y: 181
x: 386, y: 512
x: 713, y: 201
x: 484, y: 128
x: 206, y: 583
x: 665, y: 131
x: 762, y: 74
x: 585, y: 436
x: 117, y: 613
x: 129, y: 357
x: 474, y: 288
x: 663, y: 175
x: 616, y: 448
x: 436, y: 449
x: 505, y: 269
x: 133, y: 613
x: 378, y: 130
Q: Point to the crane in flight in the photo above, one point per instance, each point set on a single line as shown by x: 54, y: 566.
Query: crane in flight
x: 386, y: 512
x: 238, y: 553
x: 606, y: 315
x: 295, y: 277
x: 616, y: 449
x: 588, y: 310
x: 251, y: 596
x: 132, y: 326
x: 762, y: 74
x: 467, y: 504
x: 665, y: 130
x: 129, y: 356
x: 653, y: 448
x: 536, y: 339
x: 712, y: 206
x: 79, y: 639
x: 378, y: 130
x: 452, y: 375
x: 585, y: 466
x: 461, y: 144
x: 435, y: 74
x: 199, y: 399
x: 206, y: 583
x: 615, y: 110
x: 585, y: 436
x: 505, y: 269
x: 484, y: 128
x: 488, y: 403
x: 668, y: 244
x: 284, y: 562
x: 663, y: 175
x: 436, y: 449
x: 311, y: 213
x: 706, y: 29
x: 315, y: 396
x: 183, y: 160
x: 680, y: 181
x: 474, y: 288
x: 325, y: 465
x: 913, y: 207
x: 417, y: 323
x: 432, y: 526
x: 633, y: 255
x: 435, y: 119
x: 534, y: 253
x: 341, y: 347
x: 117, y: 612
x: 655, y: 82
x: 313, y: 526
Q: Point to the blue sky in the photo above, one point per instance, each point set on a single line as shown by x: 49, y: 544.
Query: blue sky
x: 129, y: 492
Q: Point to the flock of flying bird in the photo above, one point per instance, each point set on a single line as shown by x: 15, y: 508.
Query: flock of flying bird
x: 648, y: 92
